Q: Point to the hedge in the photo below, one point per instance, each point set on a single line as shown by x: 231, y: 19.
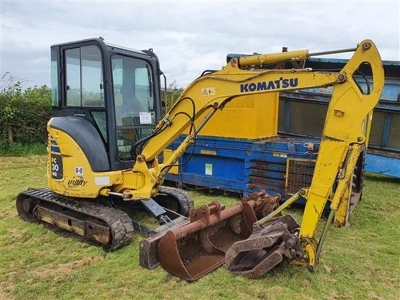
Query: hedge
x: 24, y: 114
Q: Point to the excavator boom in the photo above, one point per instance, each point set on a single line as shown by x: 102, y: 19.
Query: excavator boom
x: 344, y: 139
x: 207, y: 96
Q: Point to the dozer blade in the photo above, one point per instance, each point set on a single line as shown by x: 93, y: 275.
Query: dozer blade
x: 266, y: 247
x: 197, y: 247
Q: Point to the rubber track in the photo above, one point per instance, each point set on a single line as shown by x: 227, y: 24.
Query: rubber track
x: 120, y: 224
x: 186, y: 202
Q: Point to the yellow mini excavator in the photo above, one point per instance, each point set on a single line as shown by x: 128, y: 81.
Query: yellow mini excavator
x: 105, y: 158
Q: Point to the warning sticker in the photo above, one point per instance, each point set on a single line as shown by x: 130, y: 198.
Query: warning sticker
x: 209, y: 91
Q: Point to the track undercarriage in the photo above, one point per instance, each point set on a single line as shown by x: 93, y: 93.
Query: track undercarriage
x: 103, y: 222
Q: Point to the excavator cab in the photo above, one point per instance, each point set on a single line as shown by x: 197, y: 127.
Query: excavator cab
x: 106, y: 103
x: 106, y: 95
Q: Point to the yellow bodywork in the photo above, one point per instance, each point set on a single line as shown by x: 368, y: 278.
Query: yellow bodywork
x: 256, y: 117
x: 78, y: 179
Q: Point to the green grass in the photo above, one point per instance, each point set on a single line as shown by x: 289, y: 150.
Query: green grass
x: 19, y: 149
x: 357, y: 262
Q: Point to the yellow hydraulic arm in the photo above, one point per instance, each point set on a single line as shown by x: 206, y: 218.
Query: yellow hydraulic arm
x: 344, y: 138
x: 346, y: 122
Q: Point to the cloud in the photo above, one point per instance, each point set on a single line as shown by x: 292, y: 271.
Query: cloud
x: 189, y: 37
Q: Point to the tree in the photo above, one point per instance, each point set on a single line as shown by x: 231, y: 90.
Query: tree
x: 172, y: 94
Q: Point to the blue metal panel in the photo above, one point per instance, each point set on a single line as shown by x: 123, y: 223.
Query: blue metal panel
x: 215, y: 166
x: 387, y: 166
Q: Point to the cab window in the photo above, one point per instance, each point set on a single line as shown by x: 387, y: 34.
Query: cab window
x: 134, y: 101
x: 84, y: 77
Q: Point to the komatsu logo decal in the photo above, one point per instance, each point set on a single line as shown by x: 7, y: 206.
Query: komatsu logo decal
x: 281, y: 83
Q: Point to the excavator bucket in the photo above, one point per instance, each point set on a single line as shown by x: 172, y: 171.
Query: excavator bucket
x: 197, y: 247
x: 266, y: 247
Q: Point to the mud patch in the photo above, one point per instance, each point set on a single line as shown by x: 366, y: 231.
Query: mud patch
x: 16, y: 233
x: 6, y: 288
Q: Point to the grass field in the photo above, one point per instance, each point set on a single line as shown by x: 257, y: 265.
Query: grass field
x: 357, y: 262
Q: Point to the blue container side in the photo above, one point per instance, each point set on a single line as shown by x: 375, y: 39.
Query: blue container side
x: 382, y: 165
x: 242, y: 166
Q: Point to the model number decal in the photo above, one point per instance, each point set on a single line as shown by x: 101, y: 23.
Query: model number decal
x: 56, y: 166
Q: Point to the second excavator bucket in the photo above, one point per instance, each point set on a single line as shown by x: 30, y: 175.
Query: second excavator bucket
x: 197, y: 247
x: 266, y: 247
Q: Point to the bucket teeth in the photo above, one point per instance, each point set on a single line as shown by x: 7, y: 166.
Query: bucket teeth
x: 266, y: 247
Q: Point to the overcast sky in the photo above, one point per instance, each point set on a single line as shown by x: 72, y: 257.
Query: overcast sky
x: 189, y: 37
